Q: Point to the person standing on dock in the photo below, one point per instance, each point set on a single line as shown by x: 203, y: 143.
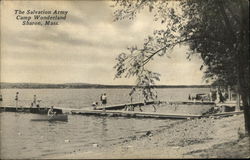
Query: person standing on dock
x: 33, y: 104
x: 101, y: 98
x: 38, y: 104
x: 131, y: 94
x: 34, y: 100
x: 16, y: 99
x: 221, y: 98
x: 104, y: 99
x: 210, y: 96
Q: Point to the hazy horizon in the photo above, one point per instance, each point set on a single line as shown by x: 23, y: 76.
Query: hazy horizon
x: 101, y: 84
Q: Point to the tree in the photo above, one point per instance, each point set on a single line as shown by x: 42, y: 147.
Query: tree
x: 215, y: 29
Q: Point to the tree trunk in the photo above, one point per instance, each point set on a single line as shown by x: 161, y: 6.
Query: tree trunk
x: 243, y: 62
x: 246, y: 106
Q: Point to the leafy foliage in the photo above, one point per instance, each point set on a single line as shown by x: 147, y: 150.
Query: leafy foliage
x: 215, y: 29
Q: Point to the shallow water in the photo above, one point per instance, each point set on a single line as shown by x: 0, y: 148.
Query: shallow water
x: 22, y: 138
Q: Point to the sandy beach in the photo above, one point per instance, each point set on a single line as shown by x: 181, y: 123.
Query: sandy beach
x: 197, y: 138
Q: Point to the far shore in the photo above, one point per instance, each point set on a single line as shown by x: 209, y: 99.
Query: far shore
x: 197, y: 138
x: 4, y: 85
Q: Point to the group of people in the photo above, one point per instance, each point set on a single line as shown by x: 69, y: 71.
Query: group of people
x: 222, y: 95
x: 103, y: 100
x: 35, y: 102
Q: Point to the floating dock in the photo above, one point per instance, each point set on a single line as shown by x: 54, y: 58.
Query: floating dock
x: 136, y: 104
x: 122, y: 106
x: 133, y: 114
x: 116, y: 110
x: 40, y: 110
x: 108, y: 113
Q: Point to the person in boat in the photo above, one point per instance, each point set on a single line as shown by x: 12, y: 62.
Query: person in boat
x: 51, y: 111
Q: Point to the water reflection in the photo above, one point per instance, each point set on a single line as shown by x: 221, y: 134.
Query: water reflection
x: 104, y: 129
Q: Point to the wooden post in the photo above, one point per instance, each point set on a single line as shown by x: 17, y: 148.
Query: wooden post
x: 237, y: 108
x: 229, y: 93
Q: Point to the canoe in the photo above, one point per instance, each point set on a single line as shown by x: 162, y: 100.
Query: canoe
x: 59, y: 117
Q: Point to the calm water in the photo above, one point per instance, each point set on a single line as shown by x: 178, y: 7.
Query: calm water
x: 22, y: 138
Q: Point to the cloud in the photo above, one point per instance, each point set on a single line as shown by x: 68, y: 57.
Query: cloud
x: 81, y: 49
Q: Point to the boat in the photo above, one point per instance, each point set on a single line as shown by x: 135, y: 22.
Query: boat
x: 57, y: 117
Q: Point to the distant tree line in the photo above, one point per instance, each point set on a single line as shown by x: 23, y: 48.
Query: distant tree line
x: 85, y: 85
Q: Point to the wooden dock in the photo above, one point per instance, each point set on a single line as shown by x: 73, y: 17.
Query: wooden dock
x: 224, y: 114
x: 108, y: 113
x: 40, y: 110
x: 116, y: 110
x: 115, y: 113
x: 133, y: 114
x: 229, y: 106
x: 136, y: 104
x: 122, y: 106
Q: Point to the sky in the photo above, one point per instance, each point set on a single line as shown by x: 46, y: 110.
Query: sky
x: 82, y: 48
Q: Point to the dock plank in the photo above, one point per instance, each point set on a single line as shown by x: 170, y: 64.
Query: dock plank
x: 133, y: 114
x: 115, y: 113
x: 122, y: 106
x: 40, y: 110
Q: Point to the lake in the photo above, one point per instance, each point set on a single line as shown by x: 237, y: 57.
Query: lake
x: 22, y: 138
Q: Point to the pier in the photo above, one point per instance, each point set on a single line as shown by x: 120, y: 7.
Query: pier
x: 40, y: 110
x: 122, y: 106
x: 133, y: 114
x: 136, y: 104
x: 117, y: 110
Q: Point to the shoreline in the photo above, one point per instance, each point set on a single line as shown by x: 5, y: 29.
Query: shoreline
x: 197, y: 138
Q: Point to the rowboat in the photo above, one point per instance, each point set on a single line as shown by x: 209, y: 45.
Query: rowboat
x: 58, y: 117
